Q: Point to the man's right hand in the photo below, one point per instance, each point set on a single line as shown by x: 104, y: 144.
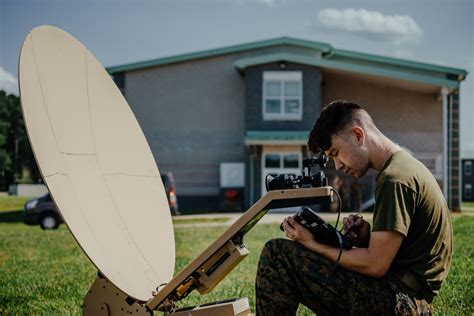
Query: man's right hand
x: 357, y: 230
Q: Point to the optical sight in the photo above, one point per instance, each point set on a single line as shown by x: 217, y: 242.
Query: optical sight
x: 306, y: 180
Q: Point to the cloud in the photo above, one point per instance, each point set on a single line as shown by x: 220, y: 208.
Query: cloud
x: 269, y: 3
x: 8, y: 83
x: 372, y: 25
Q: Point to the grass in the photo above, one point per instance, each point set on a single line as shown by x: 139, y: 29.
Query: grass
x: 44, y: 272
x: 12, y: 203
x: 467, y: 205
x: 200, y: 220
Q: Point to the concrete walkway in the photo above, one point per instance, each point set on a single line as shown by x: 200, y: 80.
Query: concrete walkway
x: 270, y: 218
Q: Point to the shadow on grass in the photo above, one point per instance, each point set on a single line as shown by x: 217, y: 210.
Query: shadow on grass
x: 11, y: 216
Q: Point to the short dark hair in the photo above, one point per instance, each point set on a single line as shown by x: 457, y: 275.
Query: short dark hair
x: 334, y: 118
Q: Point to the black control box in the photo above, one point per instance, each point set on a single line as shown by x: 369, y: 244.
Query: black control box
x: 323, y: 231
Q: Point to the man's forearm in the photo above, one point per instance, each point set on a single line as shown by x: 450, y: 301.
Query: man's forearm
x: 356, y: 259
x: 375, y: 260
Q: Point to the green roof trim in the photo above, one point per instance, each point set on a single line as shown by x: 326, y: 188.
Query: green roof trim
x: 397, y: 62
x: 375, y: 70
x: 276, y: 137
x: 331, y: 58
x: 323, y: 47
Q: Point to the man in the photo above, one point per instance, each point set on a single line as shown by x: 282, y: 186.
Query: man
x: 396, y: 267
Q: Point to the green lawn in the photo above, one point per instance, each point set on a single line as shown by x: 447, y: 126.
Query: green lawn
x: 200, y: 220
x: 12, y: 203
x: 45, y: 272
x: 467, y: 204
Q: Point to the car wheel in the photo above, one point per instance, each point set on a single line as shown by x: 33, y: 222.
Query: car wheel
x: 49, y: 221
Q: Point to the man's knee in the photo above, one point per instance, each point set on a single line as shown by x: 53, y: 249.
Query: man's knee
x: 277, y: 247
x: 289, y: 248
x: 278, y: 244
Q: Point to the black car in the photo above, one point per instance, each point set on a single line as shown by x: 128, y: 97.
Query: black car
x: 42, y: 211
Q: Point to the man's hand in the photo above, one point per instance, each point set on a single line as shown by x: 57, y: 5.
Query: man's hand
x: 296, y: 231
x: 373, y: 259
x: 357, y: 230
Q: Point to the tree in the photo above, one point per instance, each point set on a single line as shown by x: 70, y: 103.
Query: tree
x: 16, y: 155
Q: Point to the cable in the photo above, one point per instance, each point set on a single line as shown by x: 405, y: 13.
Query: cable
x: 339, y: 207
x: 339, y: 237
x: 336, y: 263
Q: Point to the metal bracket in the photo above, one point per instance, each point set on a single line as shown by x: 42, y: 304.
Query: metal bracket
x: 106, y: 299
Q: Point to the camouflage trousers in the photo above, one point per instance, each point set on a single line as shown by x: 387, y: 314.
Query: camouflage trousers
x: 289, y: 274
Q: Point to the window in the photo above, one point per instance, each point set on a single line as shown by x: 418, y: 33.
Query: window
x: 282, y: 160
x: 282, y: 95
x: 468, y: 168
x: 468, y: 191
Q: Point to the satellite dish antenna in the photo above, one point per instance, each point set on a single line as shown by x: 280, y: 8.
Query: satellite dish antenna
x: 96, y: 162
x: 104, y: 180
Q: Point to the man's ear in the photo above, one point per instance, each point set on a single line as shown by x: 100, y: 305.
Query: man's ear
x: 359, y: 134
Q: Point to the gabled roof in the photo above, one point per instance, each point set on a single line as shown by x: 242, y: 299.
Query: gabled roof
x: 276, y: 137
x: 329, y: 57
x: 376, y: 68
x: 325, y: 48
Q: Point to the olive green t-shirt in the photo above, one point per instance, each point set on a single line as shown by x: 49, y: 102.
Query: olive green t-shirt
x: 409, y: 200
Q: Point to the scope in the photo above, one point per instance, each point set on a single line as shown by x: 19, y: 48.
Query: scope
x: 306, y: 180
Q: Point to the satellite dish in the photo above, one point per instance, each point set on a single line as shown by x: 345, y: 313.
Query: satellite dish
x: 96, y: 162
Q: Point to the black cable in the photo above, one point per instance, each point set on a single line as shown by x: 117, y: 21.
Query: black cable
x: 339, y: 237
x: 336, y: 263
x: 338, y: 208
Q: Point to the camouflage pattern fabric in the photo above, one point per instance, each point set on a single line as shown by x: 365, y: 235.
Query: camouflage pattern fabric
x: 289, y: 274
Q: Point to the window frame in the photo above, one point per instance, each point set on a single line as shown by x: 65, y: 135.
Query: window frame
x: 468, y: 191
x: 468, y: 168
x: 282, y: 77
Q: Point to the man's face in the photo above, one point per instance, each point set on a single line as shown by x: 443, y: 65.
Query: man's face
x: 349, y: 154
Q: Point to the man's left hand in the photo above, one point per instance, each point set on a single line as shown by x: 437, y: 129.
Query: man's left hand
x: 296, y: 231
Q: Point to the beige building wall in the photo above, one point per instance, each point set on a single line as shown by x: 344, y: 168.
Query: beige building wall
x: 409, y: 115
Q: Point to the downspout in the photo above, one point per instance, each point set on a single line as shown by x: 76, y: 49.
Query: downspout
x: 444, y: 95
x: 251, y: 176
x: 450, y: 128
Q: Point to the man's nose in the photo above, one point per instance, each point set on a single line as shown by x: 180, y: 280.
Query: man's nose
x: 338, y: 164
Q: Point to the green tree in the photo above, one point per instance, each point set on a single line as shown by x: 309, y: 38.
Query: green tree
x: 15, y: 152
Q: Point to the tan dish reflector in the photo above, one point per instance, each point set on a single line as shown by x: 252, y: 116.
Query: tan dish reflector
x: 96, y: 162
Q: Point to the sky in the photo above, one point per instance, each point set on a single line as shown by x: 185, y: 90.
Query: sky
x: 117, y: 32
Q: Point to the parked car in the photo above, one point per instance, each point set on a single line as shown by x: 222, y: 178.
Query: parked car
x: 42, y: 211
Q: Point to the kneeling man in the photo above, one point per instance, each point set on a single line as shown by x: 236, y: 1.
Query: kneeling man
x: 397, y: 266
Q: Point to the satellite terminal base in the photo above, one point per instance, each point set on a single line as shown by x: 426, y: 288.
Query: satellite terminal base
x: 207, y: 270
x: 104, y: 299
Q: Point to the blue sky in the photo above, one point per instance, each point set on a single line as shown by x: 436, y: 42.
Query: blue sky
x: 118, y: 31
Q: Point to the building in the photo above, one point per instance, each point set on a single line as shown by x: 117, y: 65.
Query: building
x: 225, y: 118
